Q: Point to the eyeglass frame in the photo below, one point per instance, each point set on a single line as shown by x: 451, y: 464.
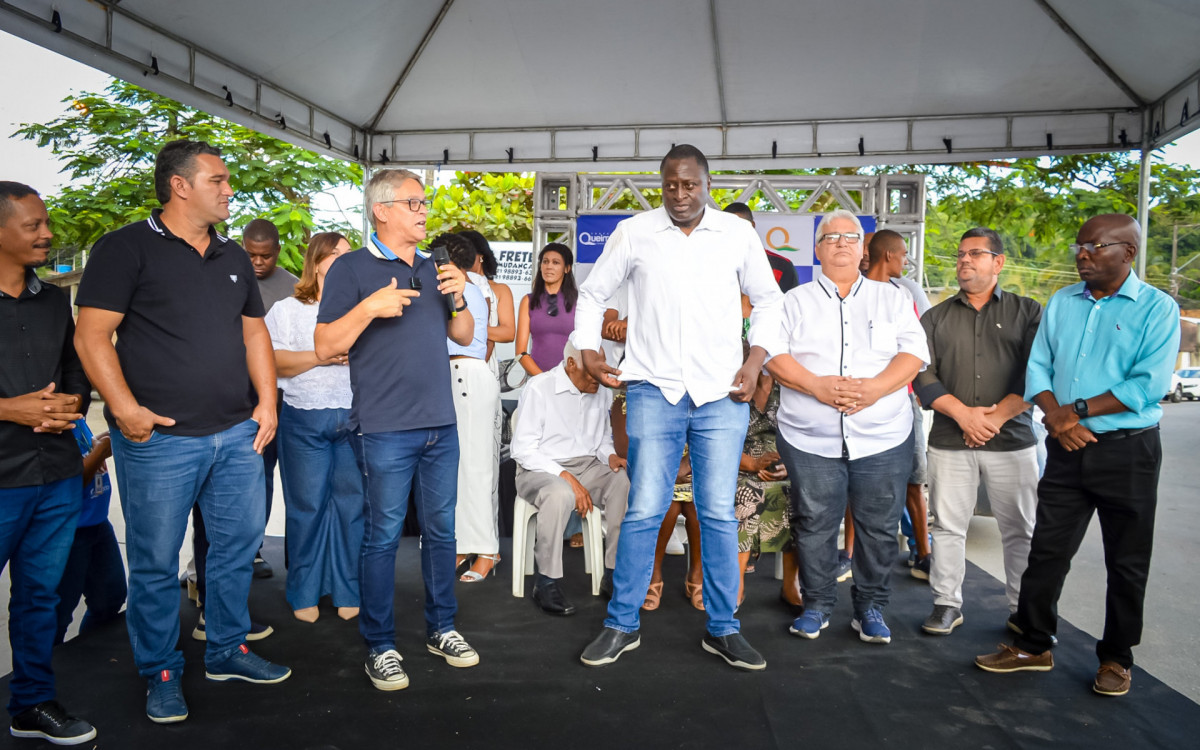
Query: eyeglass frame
x: 974, y: 253
x: 1075, y: 247
x: 837, y: 237
x: 426, y: 202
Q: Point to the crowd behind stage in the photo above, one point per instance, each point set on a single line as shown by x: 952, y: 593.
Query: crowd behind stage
x: 689, y: 375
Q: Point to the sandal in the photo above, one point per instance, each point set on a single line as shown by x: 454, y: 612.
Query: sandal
x: 695, y: 593
x: 653, y: 596
x: 474, y: 576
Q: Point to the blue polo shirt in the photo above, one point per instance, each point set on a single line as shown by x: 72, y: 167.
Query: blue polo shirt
x: 1125, y: 343
x: 399, y: 367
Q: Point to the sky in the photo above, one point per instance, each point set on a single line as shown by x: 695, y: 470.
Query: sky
x: 38, y: 98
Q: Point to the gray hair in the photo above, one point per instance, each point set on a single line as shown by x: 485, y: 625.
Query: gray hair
x: 381, y: 188
x: 839, y: 213
x: 570, y: 352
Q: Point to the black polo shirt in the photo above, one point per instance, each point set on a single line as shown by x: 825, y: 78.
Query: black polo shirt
x: 180, y: 344
x: 37, y: 345
x: 980, y: 357
x: 399, y: 367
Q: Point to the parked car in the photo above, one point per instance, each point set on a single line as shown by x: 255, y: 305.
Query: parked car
x: 1184, y: 384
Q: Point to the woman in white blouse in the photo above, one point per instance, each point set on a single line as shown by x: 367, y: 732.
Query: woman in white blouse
x: 322, y: 486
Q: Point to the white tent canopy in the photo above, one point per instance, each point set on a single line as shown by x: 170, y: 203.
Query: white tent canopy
x: 481, y: 84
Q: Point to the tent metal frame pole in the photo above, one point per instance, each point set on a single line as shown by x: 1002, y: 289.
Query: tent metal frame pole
x: 1144, y: 170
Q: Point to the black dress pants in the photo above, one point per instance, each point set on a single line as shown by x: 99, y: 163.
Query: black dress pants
x: 1117, y: 478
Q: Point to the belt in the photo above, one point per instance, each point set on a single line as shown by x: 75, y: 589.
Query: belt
x: 1104, y: 437
x: 462, y: 356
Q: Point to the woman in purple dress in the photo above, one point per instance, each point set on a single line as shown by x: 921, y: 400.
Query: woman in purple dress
x: 548, y: 311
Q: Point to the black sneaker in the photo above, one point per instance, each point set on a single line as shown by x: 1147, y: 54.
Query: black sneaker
x: 385, y: 671
x: 609, y: 646
x: 736, y: 652
x: 50, y: 721
x: 262, y: 568
x: 943, y: 620
x: 453, y: 648
x: 258, y: 631
x: 920, y: 568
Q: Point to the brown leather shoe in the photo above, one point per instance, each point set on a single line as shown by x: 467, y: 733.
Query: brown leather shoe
x: 1112, y: 679
x: 1010, y: 659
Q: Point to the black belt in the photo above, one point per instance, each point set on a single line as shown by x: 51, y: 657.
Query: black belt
x: 1104, y: 437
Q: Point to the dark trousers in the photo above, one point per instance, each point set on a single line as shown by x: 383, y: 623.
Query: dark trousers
x: 1118, y: 479
x: 95, y: 572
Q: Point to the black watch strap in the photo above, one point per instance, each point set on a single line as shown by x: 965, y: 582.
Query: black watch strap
x: 463, y: 307
x: 1081, y: 408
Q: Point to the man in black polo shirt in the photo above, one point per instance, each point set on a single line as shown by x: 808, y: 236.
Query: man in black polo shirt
x: 384, y: 304
x: 42, y: 390
x: 979, y: 341
x: 191, y: 349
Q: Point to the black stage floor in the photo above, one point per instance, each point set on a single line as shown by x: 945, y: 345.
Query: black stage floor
x: 531, y: 691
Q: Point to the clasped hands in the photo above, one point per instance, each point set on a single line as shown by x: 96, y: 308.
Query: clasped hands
x: 847, y: 395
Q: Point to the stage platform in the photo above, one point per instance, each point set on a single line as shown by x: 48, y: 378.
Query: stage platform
x: 530, y: 690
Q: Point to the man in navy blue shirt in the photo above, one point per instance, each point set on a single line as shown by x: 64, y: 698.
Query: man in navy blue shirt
x: 1101, y: 361
x: 385, y: 304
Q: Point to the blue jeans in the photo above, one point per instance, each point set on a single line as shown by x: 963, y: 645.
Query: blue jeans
x: 658, y: 431
x: 323, y: 496
x: 425, y: 462
x: 160, y: 480
x: 874, y: 486
x: 37, y: 525
x: 96, y: 572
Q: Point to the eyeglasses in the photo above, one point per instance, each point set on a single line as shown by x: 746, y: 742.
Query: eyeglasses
x: 414, y: 204
x: 975, y: 254
x: 835, y: 237
x: 552, y: 305
x: 1092, y: 247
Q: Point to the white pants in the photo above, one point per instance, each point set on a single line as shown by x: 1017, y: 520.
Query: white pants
x: 476, y: 399
x: 1011, y: 479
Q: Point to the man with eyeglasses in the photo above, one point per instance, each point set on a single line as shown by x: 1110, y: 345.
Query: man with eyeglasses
x: 1100, y: 363
x: 979, y: 342
x: 850, y: 346
x: 384, y: 304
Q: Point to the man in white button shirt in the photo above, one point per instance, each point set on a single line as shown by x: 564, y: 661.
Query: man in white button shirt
x: 562, y: 443
x: 686, y: 265
x: 845, y: 424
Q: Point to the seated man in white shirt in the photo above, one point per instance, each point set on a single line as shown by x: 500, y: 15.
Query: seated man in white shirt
x: 562, y: 442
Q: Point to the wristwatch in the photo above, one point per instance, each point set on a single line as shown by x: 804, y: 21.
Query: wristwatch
x: 1081, y: 408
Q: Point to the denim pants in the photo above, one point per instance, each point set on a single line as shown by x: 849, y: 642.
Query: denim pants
x: 658, y: 431
x: 160, y: 480
x: 95, y: 572
x: 423, y: 461
x: 37, y: 525
x: 323, y: 496
x: 874, y: 486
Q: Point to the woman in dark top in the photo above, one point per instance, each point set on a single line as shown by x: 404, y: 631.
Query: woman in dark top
x: 548, y: 311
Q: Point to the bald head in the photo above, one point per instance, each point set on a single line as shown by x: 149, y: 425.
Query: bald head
x: 1107, y: 245
x: 1122, y: 227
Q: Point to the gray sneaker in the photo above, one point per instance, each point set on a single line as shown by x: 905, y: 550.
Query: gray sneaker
x: 943, y: 620
x: 385, y: 671
x: 453, y: 648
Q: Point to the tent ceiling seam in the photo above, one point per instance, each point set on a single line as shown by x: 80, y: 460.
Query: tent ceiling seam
x: 412, y: 61
x: 1091, y: 53
x: 716, y: 41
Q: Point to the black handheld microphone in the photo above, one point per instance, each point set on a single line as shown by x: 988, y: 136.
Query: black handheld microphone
x: 442, y: 258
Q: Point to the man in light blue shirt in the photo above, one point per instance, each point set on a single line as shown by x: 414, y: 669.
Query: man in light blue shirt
x: 1100, y: 364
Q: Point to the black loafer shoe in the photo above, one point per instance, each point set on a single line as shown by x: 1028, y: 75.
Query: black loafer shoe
x: 262, y: 568
x: 736, y: 652
x: 943, y: 620
x: 608, y: 646
x: 551, y: 599
x: 50, y: 721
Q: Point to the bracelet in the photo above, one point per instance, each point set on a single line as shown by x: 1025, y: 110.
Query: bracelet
x: 522, y: 355
x: 464, y: 306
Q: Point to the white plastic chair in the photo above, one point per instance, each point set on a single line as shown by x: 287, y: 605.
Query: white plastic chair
x: 525, y: 532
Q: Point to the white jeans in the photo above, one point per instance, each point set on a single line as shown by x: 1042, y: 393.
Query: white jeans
x: 1011, y: 479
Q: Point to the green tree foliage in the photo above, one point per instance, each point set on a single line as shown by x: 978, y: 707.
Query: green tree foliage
x: 499, y: 205
x: 107, y: 143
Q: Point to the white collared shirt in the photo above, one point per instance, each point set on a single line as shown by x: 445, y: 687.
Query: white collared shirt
x: 556, y: 421
x: 856, y: 337
x: 685, y: 315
